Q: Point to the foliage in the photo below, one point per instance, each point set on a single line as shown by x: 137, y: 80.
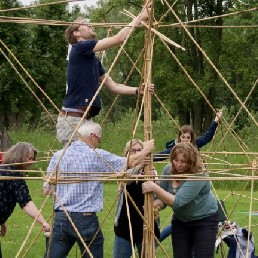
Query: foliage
x: 116, y: 134
x: 40, y: 49
x: 16, y: 38
x: 232, y: 50
x: 219, y: 44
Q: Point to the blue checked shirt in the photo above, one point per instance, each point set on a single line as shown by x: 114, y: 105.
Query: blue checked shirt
x: 79, y: 157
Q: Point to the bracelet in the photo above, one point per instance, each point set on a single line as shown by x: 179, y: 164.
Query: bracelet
x: 136, y: 91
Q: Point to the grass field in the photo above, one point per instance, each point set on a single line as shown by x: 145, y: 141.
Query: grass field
x: 114, y: 139
x: 19, y: 223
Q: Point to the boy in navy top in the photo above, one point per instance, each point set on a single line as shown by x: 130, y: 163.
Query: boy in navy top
x: 85, y: 72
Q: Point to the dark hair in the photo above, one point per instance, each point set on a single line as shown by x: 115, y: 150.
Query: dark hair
x: 191, y: 155
x: 19, y: 153
x: 187, y: 129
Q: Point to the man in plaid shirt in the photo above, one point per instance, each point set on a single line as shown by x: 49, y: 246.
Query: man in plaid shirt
x: 80, y: 194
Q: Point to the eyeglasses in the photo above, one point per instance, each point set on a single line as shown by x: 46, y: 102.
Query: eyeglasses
x: 133, y: 151
x: 98, y: 138
x: 84, y: 24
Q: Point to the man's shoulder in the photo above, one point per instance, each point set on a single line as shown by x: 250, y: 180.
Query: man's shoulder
x: 107, y: 154
x: 104, y: 152
x: 85, y: 44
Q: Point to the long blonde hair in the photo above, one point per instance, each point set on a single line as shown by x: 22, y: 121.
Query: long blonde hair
x: 19, y: 153
x: 191, y: 155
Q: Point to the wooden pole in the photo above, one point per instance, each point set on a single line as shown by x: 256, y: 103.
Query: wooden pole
x: 148, y: 248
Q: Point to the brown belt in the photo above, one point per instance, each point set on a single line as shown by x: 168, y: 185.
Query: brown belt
x: 89, y: 213
x: 71, y: 113
x: 83, y: 213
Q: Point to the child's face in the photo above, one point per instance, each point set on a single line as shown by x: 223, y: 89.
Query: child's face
x: 185, y: 137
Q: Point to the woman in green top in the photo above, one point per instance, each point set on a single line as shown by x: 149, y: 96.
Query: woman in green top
x: 195, y: 219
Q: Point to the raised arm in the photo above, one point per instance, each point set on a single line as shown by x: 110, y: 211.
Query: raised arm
x: 120, y: 37
x: 123, y: 89
x: 208, y: 135
x: 163, y: 155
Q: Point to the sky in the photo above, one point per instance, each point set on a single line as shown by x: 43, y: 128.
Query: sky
x: 80, y: 3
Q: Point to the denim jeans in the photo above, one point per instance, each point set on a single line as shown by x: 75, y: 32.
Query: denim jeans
x: 123, y: 248
x: 165, y: 232
x: 64, y: 236
x: 199, y: 235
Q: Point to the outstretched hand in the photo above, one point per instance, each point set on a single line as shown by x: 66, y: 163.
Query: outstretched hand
x: 218, y: 116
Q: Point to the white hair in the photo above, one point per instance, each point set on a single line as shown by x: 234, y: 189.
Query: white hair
x: 88, y: 128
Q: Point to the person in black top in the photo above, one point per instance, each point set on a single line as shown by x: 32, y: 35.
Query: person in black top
x: 18, y: 157
x: 85, y: 72
x: 122, y: 244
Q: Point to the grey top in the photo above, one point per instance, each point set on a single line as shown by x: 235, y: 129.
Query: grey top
x: 194, y: 199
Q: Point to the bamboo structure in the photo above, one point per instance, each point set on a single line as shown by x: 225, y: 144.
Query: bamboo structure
x: 148, y: 238
x: 151, y: 28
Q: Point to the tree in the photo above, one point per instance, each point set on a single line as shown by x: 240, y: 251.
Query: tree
x: 13, y: 103
x: 172, y: 85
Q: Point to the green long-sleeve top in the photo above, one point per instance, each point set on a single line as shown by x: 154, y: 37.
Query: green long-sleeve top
x: 194, y: 199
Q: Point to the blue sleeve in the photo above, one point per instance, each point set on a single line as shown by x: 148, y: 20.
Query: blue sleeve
x: 101, y: 68
x: 167, y: 151
x: 207, y: 136
x: 53, y: 162
x: 170, y: 144
x: 188, y: 192
x: 84, y: 47
x: 159, y: 156
x: 110, y: 162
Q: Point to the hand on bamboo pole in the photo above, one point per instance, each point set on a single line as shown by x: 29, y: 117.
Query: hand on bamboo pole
x: 146, y: 161
x: 144, y: 14
x: 150, y: 88
x: 217, y: 119
x: 148, y: 145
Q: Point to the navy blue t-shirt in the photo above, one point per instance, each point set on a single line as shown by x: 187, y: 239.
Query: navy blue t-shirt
x: 83, y: 72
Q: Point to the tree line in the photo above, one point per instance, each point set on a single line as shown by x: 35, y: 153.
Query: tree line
x: 42, y: 50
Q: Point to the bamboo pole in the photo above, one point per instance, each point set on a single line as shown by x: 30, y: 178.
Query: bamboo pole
x: 148, y: 249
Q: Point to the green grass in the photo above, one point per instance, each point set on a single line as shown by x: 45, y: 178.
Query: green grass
x: 114, y: 139
x: 19, y: 223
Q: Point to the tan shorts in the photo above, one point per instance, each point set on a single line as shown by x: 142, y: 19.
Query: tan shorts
x: 64, y: 130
